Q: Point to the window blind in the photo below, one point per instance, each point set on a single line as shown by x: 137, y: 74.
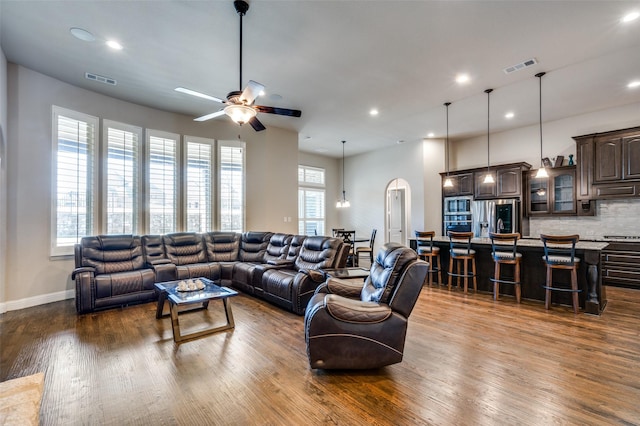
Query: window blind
x: 231, y: 188
x: 162, y: 183
x: 198, y: 186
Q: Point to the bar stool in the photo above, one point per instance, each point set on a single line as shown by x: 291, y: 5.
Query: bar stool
x: 560, y: 253
x: 460, y: 251
x: 429, y: 253
x: 503, y: 251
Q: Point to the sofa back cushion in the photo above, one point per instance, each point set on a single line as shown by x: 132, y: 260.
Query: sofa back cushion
x: 184, y: 248
x: 253, y: 246
x: 222, y: 246
x: 278, y: 247
x: 318, y: 252
x: 153, y: 248
x: 388, y: 266
x: 295, y: 246
x: 112, y: 253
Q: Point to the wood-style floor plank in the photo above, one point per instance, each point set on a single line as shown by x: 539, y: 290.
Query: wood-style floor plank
x: 469, y: 360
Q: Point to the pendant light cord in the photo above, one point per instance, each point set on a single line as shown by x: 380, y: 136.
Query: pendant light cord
x: 240, y: 82
x: 539, y: 75
x: 446, y: 104
x: 344, y: 196
x: 488, y: 92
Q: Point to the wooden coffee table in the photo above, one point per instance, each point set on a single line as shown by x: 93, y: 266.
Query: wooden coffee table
x: 180, y: 299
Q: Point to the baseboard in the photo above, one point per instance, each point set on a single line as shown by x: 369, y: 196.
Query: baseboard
x: 42, y: 299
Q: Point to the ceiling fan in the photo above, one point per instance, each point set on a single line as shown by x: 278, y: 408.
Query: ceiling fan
x: 240, y: 105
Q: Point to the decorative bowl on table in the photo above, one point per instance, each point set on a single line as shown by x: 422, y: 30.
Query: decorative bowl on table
x: 190, y: 285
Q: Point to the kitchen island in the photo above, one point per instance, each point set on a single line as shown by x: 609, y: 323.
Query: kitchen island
x: 592, y: 298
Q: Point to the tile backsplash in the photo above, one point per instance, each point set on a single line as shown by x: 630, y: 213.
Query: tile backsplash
x: 613, y: 217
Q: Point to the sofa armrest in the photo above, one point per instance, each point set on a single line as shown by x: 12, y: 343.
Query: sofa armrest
x: 345, y: 288
x: 316, y: 275
x: 356, y: 311
x: 82, y: 269
x: 85, y: 289
x: 284, y: 263
x: 164, y: 271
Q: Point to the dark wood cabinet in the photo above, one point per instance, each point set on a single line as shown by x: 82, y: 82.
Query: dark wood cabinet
x: 507, y: 182
x: 555, y: 195
x: 483, y: 190
x: 462, y: 184
x: 608, y: 165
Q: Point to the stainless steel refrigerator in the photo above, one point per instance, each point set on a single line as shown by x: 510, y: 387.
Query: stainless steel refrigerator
x: 501, y: 216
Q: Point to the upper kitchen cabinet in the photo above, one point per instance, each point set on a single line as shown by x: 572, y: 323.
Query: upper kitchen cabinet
x: 608, y: 165
x: 462, y: 184
x: 554, y: 195
x: 507, y: 181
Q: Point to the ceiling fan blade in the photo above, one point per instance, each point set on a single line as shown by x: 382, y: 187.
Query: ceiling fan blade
x: 198, y: 94
x: 251, y: 92
x: 256, y: 124
x: 210, y: 116
x: 279, y: 111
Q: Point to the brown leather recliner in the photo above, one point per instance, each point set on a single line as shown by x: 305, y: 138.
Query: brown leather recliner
x: 110, y: 271
x: 355, y: 326
x: 254, y: 248
x: 187, y: 251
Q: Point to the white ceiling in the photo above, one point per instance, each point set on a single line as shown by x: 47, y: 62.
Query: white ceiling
x: 335, y: 60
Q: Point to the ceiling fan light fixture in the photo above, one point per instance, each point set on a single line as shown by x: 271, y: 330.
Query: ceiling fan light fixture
x: 240, y: 113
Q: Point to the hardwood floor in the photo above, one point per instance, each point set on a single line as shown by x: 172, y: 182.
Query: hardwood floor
x: 468, y: 361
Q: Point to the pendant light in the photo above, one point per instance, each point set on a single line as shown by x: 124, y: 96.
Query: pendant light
x: 448, y: 183
x: 542, y: 171
x: 343, y: 203
x: 489, y: 177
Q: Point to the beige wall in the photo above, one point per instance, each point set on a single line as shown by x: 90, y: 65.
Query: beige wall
x: 3, y: 174
x: 33, y: 278
x: 523, y: 144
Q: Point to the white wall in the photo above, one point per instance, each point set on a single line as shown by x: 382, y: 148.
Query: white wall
x: 367, y: 177
x: 612, y: 217
x: 33, y: 277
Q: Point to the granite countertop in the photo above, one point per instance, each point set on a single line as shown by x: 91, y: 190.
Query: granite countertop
x: 532, y: 242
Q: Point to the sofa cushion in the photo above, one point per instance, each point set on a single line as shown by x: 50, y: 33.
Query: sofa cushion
x: 318, y: 252
x: 222, y: 246
x: 253, y: 246
x: 119, y: 283
x: 112, y: 253
x: 278, y: 247
x: 185, y: 248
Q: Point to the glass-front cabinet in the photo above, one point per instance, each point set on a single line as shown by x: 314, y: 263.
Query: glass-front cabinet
x: 555, y: 195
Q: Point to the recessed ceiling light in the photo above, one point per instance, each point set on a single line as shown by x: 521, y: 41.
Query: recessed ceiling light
x: 462, y: 78
x: 634, y: 84
x: 401, y: 141
x: 430, y: 134
x: 320, y: 150
x: 630, y: 17
x: 82, y: 34
x: 373, y: 111
x: 509, y: 115
x: 114, y: 45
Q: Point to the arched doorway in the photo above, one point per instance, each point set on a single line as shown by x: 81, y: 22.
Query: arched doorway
x: 397, y: 208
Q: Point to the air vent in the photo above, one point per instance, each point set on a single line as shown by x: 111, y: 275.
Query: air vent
x: 520, y: 66
x: 99, y: 78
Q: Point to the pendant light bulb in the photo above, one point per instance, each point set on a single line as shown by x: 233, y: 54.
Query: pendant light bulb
x: 448, y: 183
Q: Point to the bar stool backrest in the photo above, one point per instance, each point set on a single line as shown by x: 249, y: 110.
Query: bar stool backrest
x: 560, y: 249
x: 421, y: 237
x: 460, y: 243
x: 504, y: 246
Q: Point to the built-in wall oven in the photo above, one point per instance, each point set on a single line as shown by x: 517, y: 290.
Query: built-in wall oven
x: 457, y: 214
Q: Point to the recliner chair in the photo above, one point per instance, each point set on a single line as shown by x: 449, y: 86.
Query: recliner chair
x: 354, y: 326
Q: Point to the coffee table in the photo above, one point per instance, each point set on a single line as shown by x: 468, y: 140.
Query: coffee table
x: 179, y: 299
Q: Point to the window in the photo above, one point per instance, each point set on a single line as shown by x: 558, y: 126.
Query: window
x: 231, y: 165
x: 74, y: 179
x: 121, y: 177
x: 162, y: 182
x: 199, y: 183
x: 311, y: 200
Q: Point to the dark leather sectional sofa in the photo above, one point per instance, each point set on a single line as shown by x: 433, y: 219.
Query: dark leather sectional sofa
x: 117, y: 270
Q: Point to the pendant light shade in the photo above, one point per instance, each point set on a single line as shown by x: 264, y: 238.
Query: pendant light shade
x: 343, y: 203
x: 489, y: 177
x: 448, y: 183
x: 542, y: 171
